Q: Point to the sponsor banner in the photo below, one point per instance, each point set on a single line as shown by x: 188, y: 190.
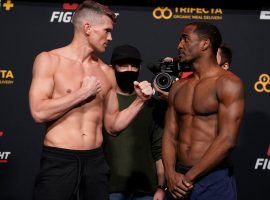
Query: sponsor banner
x: 167, y: 13
x: 265, y: 15
x: 6, y: 76
x: 263, y: 163
x: 263, y: 84
x: 4, y: 155
x: 6, y: 5
x: 65, y: 14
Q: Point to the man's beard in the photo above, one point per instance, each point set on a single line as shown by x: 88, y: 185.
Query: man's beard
x: 125, y: 80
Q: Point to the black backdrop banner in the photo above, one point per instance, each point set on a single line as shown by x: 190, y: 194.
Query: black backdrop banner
x: 27, y: 28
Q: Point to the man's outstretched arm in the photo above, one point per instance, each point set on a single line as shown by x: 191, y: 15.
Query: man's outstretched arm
x: 114, y: 120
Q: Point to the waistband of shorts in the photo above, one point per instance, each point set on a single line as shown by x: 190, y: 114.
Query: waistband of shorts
x: 180, y: 168
x: 225, y: 164
x: 70, y: 153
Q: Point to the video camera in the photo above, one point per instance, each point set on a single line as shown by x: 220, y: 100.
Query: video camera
x: 167, y: 71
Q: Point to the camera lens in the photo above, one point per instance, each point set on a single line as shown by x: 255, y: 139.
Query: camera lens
x: 163, y: 81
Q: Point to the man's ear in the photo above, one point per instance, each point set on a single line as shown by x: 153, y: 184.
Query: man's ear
x: 87, y: 28
x: 206, y: 44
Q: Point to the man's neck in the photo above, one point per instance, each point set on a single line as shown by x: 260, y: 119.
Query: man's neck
x: 205, y: 67
x: 80, y: 49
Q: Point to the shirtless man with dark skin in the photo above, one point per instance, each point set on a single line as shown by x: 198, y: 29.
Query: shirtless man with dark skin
x: 73, y: 92
x: 202, y: 121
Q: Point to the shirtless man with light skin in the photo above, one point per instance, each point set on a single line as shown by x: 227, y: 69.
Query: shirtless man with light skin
x: 73, y: 91
x: 202, y: 121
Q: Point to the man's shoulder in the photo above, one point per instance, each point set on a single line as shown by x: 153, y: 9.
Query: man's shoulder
x: 49, y: 56
x: 45, y: 62
x: 108, y: 72
x: 229, y: 84
x: 182, y: 82
x: 105, y: 67
x: 228, y: 77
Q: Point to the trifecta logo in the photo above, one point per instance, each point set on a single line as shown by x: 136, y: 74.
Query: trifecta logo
x: 263, y: 163
x: 6, y: 77
x: 166, y: 13
x: 263, y: 84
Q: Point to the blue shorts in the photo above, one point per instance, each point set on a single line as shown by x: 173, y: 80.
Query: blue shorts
x: 123, y: 196
x: 219, y: 184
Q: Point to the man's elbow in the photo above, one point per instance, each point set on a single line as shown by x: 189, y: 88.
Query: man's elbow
x: 112, y: 127
x: 38, y: 117
x: 229, y: 142
x: 112, y: 130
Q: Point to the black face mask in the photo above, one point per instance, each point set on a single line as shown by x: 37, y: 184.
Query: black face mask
x: 125, y: 80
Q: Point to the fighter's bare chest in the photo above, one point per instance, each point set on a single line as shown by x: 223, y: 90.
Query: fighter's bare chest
x: 197, y: 98
x: 69, y: 79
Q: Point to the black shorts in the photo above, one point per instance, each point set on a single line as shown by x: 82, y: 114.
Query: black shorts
x: 72, y: 175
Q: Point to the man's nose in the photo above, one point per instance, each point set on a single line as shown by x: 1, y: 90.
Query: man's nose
x: 109, y: 37
x: 180, y: 45
x: 129, y: 67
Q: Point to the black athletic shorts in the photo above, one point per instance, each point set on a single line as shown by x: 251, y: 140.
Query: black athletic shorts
x: 72, y: 175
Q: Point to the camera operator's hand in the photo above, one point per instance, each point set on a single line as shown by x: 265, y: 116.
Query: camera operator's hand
x: 163, y: 95
x: 143, y: 89
x: 167, y: 59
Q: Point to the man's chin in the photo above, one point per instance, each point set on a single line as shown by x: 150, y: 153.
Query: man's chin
x: 102, y: 50
x: 99, y: 51
x: 182, y: 60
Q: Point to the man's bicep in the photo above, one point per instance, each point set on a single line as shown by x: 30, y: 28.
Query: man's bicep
x: 111, y: 101
x: 231, y: 109
x: 111, y: 105
x: 171, y: 114
x: 171, y: 120
x: 41, y: 88
x: 42, y: 82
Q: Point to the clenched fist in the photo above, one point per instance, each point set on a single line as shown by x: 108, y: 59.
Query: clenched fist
x: 143, y: 90
x: 90, y: 86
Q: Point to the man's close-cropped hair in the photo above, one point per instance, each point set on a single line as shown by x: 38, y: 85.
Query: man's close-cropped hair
x: 208, y: 31
x: 92, y: 12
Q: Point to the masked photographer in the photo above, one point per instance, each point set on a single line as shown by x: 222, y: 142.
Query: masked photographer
x: 134, y: 155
